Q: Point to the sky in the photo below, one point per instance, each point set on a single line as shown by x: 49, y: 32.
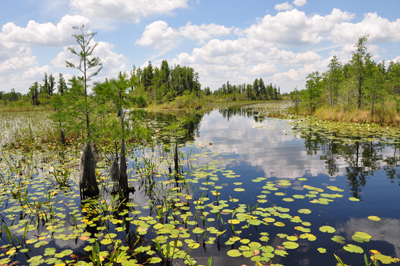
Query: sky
x: 236, y: 41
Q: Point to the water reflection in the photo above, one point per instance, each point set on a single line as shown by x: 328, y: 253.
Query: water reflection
x: 284, y: 149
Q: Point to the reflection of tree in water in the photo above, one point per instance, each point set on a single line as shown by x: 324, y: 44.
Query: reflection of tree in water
x: 237, y: 111
x: 392, y: 163
x: 362, y: 158
x: 189, y: 123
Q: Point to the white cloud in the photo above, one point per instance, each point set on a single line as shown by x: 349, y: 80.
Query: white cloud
x: 397, y: 59
x: 283, y: 6
x: 112, y: 62
x: 204, y: 31
x: 299, y: 2
x: 379, y: 30
x: 294, y: 27
x: 43, y: 34
x: 159, y: 35
x: 18, y: 67
x: 126, y: 10
x: 163, y: 37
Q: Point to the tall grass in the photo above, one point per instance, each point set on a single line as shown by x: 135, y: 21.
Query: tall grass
x: 22, y: 126
x: 386, y: 115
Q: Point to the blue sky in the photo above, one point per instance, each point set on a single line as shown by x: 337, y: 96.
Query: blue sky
x: 279, y: 41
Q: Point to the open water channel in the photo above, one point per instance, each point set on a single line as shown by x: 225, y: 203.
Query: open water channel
x: 251, y: 189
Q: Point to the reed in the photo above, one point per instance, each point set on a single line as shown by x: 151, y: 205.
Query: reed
x: 386, y: 115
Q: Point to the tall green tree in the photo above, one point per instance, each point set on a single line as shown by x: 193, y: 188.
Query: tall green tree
x: 86, y: 62
x: 80, y: 109
x: 334, y: 74
x: 314, y: 89
x: 360, y: 59
x: 62, y: 86
x: 34, y: 91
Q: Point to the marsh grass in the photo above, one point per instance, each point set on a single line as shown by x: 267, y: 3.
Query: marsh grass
x: 25, y: 127
x: 386, y: 115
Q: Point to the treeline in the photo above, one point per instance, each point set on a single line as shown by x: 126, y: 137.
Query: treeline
x: 164, y: 83
x: 359, y: 84
x: 256, y: 91
x: 150, y: 84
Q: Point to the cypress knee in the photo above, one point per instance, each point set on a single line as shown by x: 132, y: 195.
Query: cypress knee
x: 87, y: 175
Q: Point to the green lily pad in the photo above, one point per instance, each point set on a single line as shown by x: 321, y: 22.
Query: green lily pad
x: 353, y: 248
x: 279, y: 224
x: 304, y: 211
x: 361, y: 237
x: 338, y: 239
x: 288, y: 199
x: 290, y: 245
x: 322, y: 250
x: 234, y: 253
x: 327, y: 229
x: 353, y: 199
x: 198, y: 230
x: 374, y: 218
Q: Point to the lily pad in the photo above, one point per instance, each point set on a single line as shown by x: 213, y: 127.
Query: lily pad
x: 234, y: 253
x: 290, y: 245
x: 374, y: 218
x: 304, y: 211
x: 338, y: 239
x: 327, y: 229
x: 322, y: 250
x: 361, y: 237
x: 353, y: 248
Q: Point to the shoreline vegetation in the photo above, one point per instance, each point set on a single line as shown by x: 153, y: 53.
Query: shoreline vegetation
x: 359, y: 91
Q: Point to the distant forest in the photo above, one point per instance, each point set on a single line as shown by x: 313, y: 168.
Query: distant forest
x: 148, y: 85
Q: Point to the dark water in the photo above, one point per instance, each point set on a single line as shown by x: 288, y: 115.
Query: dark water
x: 220, y: 150
x: 271, y: 148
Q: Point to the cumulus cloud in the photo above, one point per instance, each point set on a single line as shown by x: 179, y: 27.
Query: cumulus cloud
x: 18, y: 67
x: 43, y: 34
x: 126, y: 10
x: 294, y: 27
x: 283, y: 6
x: 162, y: 37
x: 112, y: 62
x: 379, y: 30
x: 299, y: 2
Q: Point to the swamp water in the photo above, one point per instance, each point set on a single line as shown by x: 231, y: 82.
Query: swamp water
x: 243, y: 189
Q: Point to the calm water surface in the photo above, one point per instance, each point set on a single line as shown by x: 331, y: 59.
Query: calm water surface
x: 255, y: 173
x: 272, y: 149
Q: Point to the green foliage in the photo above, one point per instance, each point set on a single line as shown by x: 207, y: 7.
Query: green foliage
x: 360, y: 84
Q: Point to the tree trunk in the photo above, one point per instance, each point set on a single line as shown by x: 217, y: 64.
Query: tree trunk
x: 373, y: 105
x: 87, y: 175
x: 114, y: 173
x: 123, y: 177
x: 176, y: 158
x: 359, y: 94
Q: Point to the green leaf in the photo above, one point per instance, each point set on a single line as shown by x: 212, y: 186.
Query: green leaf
x: 234, y: 253
x: 361, y: 237
x: 321, y: 250
x: 353, y: 199
x: 353, y: 248
x: 374, y: 218
x: 327, y: 229
x: 290, y: 245
x: 338, y: 239
x: 304, y: 211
